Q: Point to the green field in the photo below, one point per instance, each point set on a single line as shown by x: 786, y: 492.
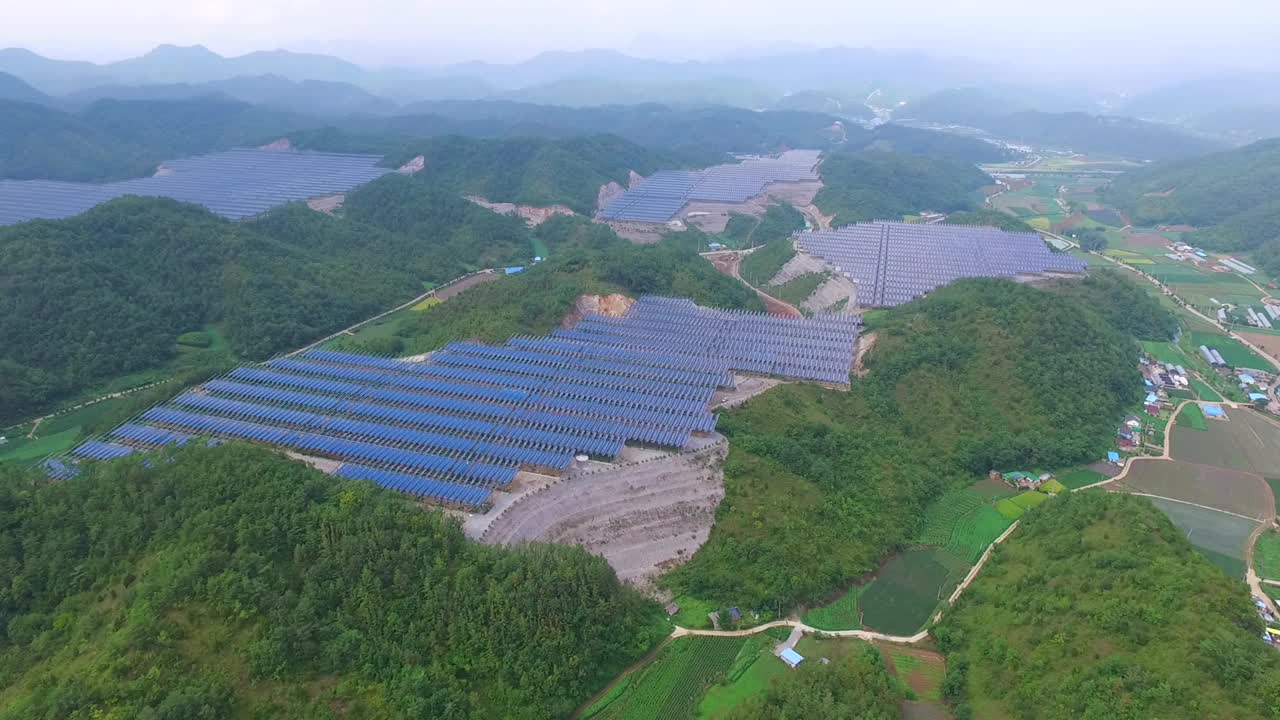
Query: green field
x: 1204, y: 391
x: 672, y: 686
x: 21, y: 449
x: 798, y: 289
x: 841, y: 614
x: 919, y: 670
x: 906, y: 591
x: 1081, y: 478
x: 1010, y: 509
x: 1029, y: 499
x: 1165, y: 352
x: 1266, y: 555
x: 975, y: 532
x: 964, y: 523
x: 1233, y: 352
x: 1221, y: 537
x: 751, y: 672
x: 1274, y: 484
x: 1191, y: 416
x: 942, y: 516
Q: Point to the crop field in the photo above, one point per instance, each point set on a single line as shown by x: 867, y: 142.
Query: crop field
x: 906, y: 591
x: 1274, y: 484
x: 1081, y: 478
x: 1204, y: 391
x: 1221, y: 537
x: 975, y: 532
x: 841, y: 614
x: 1230, y: 490
x: 942, y: 516
x: 1191, y: 416
x: 1247, y: 442
x: 920, y: 670
x: 751, y: 672
x: 670, y: 687
x: 1029, y: 499
x: 1266, y: 555
x: 1268, y: 342
x: 1106, y: 217
x: 1010, y: 509
x: 1164, y: 352
x: 21, y: 449
x: 1233, y: 352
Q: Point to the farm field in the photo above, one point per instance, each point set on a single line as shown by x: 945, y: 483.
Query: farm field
x: 58, y: 434
x: 1246, y: 442
x: 1233, y: 352
x: 1164, y: 352
x: 1221, y: 537
x: 920, y: 670
x: 1270, y: 343
x: 751, y: 672
x: 1081, y: 478
x: 840, y: 614
x: 671, y: 687
x: 1204, y: 391
x: 1191, y: 416
x: 1230, y: 490
x: 1266, y: 555
x: 905, y: 592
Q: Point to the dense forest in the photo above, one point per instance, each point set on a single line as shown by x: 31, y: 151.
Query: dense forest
x: 980, y: 375
x: 877, y: 185
x: 1098, y: 607
x: 586, y: 258
x: 108, y: 293
x: 532, y: 171
x: 116, y: 139
x: 230, y: 582
x: 989, y: 218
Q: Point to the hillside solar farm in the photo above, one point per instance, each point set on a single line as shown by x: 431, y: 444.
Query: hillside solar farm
x: 235, y: 184
x: 465, y: 422
x: 661, y: 196
x: 894, y: 263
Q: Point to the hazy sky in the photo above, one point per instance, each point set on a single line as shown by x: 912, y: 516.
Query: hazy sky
x: 408, y: 32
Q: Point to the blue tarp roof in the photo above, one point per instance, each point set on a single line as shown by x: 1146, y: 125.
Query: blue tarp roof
x: 1254, y: 397
x: 513, y: 270
x: 1246, y: 378
x: 1213, y: 410
x: 1151, y: 398
x: 791, y: 656
x: 1113, y: 456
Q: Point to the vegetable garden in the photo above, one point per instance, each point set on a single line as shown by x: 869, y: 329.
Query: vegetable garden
x: 671, y: 687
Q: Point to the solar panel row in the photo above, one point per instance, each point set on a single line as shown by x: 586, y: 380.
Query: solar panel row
x: 893, y: 263
x: 453, y: 428
x: 234, y: 184
x: 659, y: 197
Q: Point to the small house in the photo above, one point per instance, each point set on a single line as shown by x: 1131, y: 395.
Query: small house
x: 1257, y: 397
x: 1021, y: 480
x: 672, y: 608
x: 735, y: 614
x: 1214, y: 411
x: 791, y: 657
x: 1114, y: 457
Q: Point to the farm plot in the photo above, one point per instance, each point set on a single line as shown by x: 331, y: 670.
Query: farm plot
x: 906, y: 591
x: 841, y: 614
x: 1233, y: 352
x: 1081, y: 478
x: 1247, y: 442
x: 1106, y: 217
x: 920, y: 670
x: 671, y: 686
x: 750, y: 674
x: 942, y: 516
x: 1230, y: 490
x: 1221, y: 537
x: 1191, y: 416
x: 1266, y: 555
x: 1269, y: 343
x: 975, y: 532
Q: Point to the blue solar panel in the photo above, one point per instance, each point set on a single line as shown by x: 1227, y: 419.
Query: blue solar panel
x: 234, y: 184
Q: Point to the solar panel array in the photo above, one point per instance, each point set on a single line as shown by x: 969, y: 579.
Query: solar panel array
x: 659, y: 197
x: 235, y: 184
x: 894, y: 263
x: 818, y: 349
x: 461, y: 424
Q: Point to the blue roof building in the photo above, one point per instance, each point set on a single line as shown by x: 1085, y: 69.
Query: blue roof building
x: 1152, y: 399
x: 1213, y: 411
x: 513, y: 270
x: 791, y: 657
x: 1244, y: 378
x: 1256, y: 397
x: 1113, y: 456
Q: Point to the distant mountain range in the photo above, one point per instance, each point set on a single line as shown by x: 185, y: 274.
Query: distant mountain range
x: 589, y: 77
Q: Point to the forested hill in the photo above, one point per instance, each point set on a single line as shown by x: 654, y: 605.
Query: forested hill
x: 231, y: 583
x: 534, y: 171
x: 875, y: 185
x: 115, y: 139
x: 107, y: 293
x: 982, y: 374
x: 1098, y: 607
x: 1230, y: 196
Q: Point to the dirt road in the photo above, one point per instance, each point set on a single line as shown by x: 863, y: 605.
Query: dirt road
x: 727, y: 262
